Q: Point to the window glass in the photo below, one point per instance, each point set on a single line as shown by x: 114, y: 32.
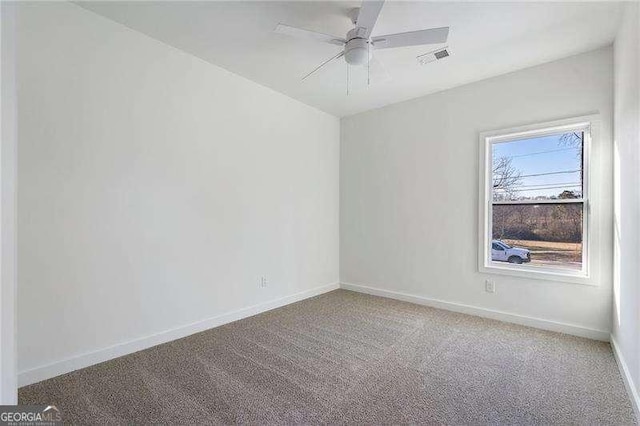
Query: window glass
x: 550, y: 233
x: 537, y: 201
x: 542, y: 168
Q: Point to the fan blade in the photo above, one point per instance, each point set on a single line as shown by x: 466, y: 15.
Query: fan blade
x: 309, y: 35
x: 412, y: 38
x: 368, y: 15
x: 339, y: 55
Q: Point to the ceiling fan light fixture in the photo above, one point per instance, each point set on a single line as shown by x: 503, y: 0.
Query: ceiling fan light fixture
x: 356, y: 51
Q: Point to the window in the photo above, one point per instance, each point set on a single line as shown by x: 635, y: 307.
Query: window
x: 534, y: 204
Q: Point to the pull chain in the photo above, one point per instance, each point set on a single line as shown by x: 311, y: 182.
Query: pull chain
x: 368, y: 64
x: 348, y: 77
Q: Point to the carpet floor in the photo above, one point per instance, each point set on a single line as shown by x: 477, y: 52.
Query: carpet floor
x: 345, y: 357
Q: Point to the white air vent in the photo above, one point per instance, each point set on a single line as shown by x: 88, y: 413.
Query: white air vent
x: 434, y: 55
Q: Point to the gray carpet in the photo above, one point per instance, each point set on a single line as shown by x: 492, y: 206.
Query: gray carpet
x: 345, y: 357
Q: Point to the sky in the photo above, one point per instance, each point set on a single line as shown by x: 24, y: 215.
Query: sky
x: 542, y: 155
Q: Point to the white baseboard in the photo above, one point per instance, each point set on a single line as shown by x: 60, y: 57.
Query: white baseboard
x: 572, y: 329
x: 632, y: 390
x: 57, y: 368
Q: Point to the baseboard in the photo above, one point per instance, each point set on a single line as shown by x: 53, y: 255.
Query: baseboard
x: 632, y: 390
x: 38, y: 374
x: 543, y: 324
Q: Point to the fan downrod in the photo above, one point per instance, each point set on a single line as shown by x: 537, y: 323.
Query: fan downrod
x: 353, y: 14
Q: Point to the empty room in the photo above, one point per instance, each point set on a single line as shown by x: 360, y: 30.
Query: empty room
x: 320, y: 212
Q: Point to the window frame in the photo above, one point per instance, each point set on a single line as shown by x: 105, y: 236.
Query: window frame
x: 590, y: 126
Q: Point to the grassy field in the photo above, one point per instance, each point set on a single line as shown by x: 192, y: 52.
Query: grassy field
x: 550, y: 251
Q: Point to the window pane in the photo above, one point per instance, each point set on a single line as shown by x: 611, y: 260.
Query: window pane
x: 545, y: 235
x: 545, y: 167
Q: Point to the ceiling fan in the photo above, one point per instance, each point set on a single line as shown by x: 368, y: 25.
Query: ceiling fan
x: 358, y: 43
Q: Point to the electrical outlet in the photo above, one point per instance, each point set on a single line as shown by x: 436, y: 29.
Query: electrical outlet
x: 489, y: 286
x: 263, y: 282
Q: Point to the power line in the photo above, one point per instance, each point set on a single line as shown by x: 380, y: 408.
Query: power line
x: 498, y: 177
x: 572, y: 183
x: 540, y: 152
x: 538, y: 188
x: 552, y: 173
x: 558, y: 185
x: 550, y: 187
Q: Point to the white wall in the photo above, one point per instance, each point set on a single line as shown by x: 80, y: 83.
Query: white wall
x: 8, y: 273
x: 155, y: 189
x: 626, y: 312
x: 409, y: 191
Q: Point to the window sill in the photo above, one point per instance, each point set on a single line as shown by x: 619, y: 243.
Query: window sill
x: 536, y: 273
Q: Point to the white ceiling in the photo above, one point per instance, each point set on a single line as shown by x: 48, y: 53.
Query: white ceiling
x: 486, y: 39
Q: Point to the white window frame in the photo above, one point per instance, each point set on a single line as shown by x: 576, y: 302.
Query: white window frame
x: 590, y: 126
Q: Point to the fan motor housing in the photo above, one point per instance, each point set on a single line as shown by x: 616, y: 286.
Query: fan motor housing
x: 356, y: 52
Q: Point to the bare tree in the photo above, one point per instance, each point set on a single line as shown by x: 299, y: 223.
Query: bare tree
x: 574, y: 140
x: 506, y: 178
x: 567, y: 195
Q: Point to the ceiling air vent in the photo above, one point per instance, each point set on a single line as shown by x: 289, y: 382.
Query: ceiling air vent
x: 433, y: 56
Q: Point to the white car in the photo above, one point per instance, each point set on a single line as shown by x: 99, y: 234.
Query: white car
x: 502, y: 252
